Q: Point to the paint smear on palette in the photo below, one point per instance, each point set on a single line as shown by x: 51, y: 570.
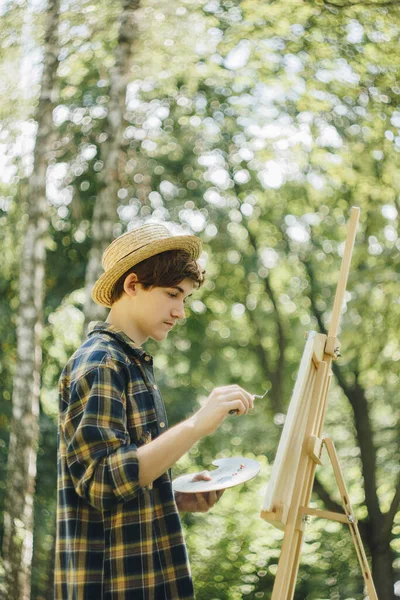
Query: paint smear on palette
x: 230, y: 472
x: 222, y: 479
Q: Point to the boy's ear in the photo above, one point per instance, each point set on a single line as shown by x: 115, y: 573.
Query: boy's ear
x: 130, y: 284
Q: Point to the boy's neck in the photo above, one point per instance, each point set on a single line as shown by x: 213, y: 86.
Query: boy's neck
x: 116, y: 318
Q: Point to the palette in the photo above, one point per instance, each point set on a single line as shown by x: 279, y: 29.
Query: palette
x: 230, y: 472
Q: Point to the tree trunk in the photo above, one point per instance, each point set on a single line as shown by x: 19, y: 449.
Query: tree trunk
x: 382, y: 570
x: 105, y: 215
x: 18, y: 512
x: 378, y: 542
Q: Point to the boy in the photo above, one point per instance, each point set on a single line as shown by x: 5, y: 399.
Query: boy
x: 119, y: 535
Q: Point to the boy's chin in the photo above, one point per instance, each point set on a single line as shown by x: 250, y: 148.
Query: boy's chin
x: 159, y: 336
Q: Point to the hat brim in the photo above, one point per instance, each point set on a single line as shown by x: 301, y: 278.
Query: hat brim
x: 102, y: 290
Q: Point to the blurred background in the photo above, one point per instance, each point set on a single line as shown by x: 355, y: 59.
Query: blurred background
x: 255, y: 125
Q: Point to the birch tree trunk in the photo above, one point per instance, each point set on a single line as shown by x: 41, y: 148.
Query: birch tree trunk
x: 18, y: 513
x: 105, y: 214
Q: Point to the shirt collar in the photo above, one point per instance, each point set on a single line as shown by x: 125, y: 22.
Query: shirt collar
x: 103, y: 327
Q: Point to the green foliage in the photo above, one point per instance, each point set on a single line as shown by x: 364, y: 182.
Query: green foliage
x: 257, y: 126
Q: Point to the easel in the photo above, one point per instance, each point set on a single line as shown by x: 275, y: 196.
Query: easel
x: 289, y: 497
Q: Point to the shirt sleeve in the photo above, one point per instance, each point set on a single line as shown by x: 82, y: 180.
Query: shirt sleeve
x: 103, y: 462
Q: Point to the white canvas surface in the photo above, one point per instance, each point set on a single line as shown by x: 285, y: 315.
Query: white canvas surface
x: 280, y: 486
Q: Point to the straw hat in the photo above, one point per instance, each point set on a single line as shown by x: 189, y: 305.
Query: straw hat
x: 131, y: 248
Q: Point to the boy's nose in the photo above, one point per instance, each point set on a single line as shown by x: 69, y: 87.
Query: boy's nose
x: 178, y: 312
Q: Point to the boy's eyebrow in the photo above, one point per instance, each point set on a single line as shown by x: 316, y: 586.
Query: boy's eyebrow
x: 176, y: 287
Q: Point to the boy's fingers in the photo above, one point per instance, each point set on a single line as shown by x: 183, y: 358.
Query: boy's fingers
x: 237, y: 406
x: 237, y: 388
x: 202, y: 504
x: 238, y: 396
x: 249, y: 396
x: 212, y: 498
x: 203, y: 476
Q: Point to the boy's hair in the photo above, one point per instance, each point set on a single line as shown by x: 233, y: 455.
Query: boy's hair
x: 165, y: 269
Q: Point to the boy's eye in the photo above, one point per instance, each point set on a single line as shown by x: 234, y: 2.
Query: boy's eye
x: 172, y: 295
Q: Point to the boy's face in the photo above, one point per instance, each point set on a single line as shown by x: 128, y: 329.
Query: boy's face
x: 155, y: 311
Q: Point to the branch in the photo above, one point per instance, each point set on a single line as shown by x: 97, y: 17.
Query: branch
x: 275, y: 397
x: 316, y: 312
x: 279, y: 371
x: 355, y: 4
x: 389, y: 516
x: 358, y: 401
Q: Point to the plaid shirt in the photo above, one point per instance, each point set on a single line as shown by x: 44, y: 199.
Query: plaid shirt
x: 115, y: 540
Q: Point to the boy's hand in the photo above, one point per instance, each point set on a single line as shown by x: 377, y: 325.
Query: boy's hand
x: 199, y: 502
x: 219, y: 403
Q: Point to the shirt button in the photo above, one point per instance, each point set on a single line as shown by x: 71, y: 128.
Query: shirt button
x: 147, y: 358
x: 162, y: 424
x: 155, y: 387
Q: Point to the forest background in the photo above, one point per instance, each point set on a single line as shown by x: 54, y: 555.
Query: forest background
x: 255, y: 125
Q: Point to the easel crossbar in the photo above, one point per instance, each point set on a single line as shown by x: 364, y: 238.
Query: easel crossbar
x: 324, y: 514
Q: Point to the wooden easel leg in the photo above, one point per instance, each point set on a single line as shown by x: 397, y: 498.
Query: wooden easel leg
x: 352, y: 522
x: 285, y: 580
x: 289, y: 560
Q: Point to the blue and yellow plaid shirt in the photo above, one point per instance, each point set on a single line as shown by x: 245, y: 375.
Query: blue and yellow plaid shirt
x: 115, y: 540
